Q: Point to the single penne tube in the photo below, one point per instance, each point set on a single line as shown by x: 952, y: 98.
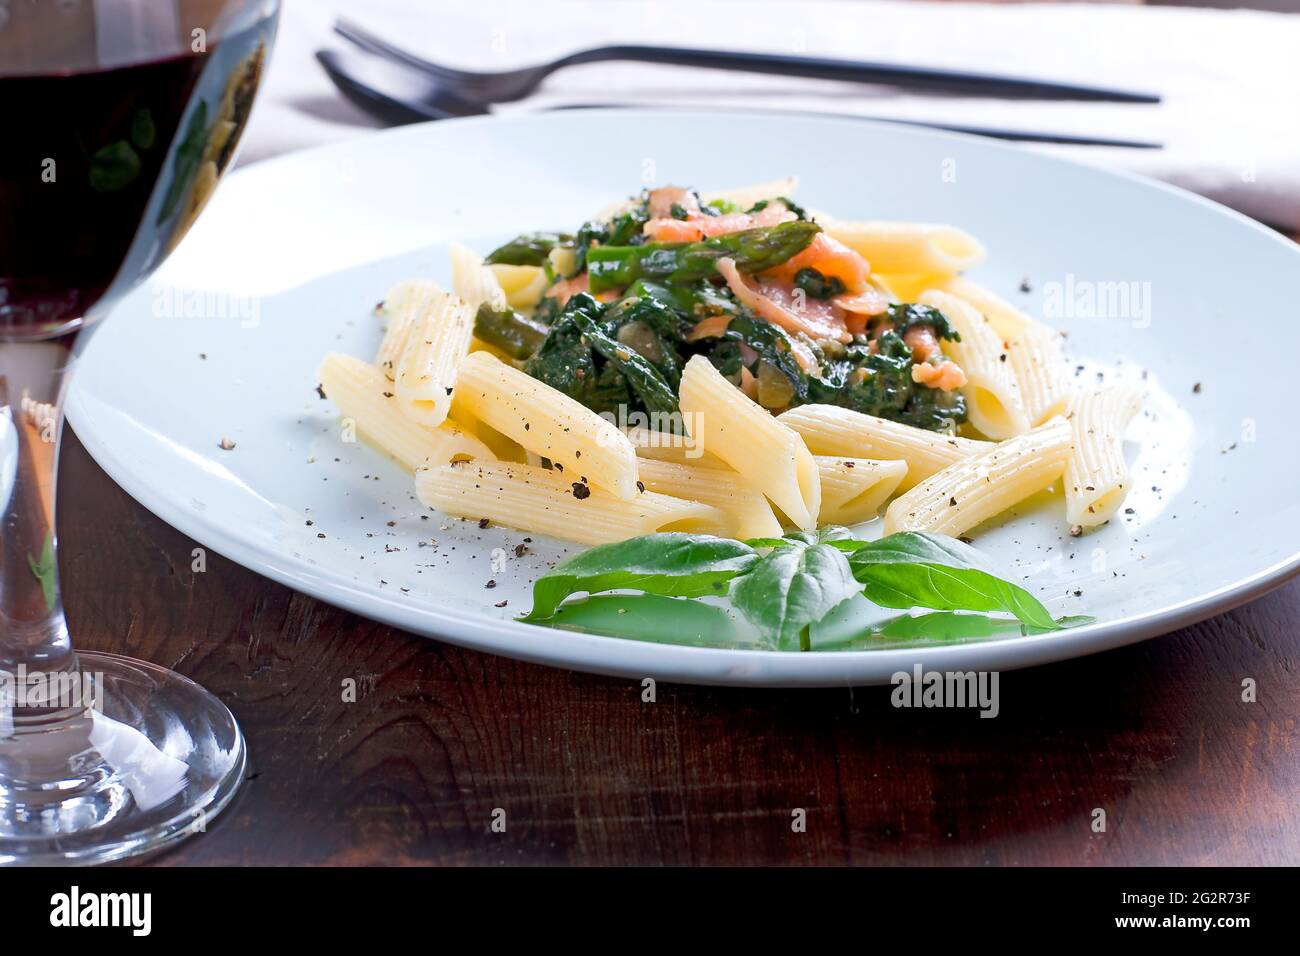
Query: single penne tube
x: 909, y: 247
x: 993, y: 402
x: 523, y: 285
x: 365, y: 398
x: 669, y: 446
x: 435, y: 346
x: 582, y: 445
x: 1041, y: 371
x: 853, y: 489
x: 473, y: 281
x: 544, y: 501
x: 504, y: 448
x: 908, y: 288
x: 741, y: 433
x: 972, y: 491
x: 1096, y: 477
x: 1006, y: 319
x: 478, y: 345
x: 401, y: 310
x: 748, y: 512
x: 563, y: 261
x: 886, y: 288
x: 831, y: 430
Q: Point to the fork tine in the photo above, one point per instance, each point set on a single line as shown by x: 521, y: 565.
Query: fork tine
x: 371, y: 43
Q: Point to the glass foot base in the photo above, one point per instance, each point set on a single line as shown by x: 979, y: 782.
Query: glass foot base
x: 152, y: 763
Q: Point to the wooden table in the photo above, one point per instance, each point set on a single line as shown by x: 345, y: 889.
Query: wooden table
x: 1155, y: 734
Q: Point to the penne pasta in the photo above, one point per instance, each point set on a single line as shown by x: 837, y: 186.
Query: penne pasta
x: 908, y: 288
x: 435, y: 345
x: 831, y: 430
x: 900, y: 248
x: 1041, y: 371
x: 522, y: 285
x: 670, y: 446
x: 563, y: 260
x: 541, y: 458
x: 1006, y: 319
x: 740, y: 432
x: 1096, y: 477
x: 971, y: 491
x: 362, y: 394
x: 853, y: 489
x: 402, y: 308
x: 503, y: 447
x: 581, y: 444
x: 473, y: 281
x: 748, y: 512
x: 543, y: 501
x: 993, y: 402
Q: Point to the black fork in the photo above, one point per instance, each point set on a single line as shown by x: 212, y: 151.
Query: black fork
x: 511, y: 85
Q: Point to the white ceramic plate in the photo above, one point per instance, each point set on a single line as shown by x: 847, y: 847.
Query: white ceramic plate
x: 292, y: 255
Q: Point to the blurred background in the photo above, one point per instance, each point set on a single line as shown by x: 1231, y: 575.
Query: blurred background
x: 1228, y: 73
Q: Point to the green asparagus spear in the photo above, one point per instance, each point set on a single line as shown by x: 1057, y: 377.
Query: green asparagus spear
x: 615, y: 267
x: 530, y: 249
x: 516, y: 335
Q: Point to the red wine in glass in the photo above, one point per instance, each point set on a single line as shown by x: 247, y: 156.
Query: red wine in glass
x: 118, y: 118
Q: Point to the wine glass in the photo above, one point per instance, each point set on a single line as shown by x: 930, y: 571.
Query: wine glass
x: 118, y: 119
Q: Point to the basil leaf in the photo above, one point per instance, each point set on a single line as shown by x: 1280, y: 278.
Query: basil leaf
x: 942, y: 628
x: 916, y: 569
x: 792, y: 587
x: 770, y: 543
x: 655, y: 619
x: 685, y: 565
x: 834, y: 534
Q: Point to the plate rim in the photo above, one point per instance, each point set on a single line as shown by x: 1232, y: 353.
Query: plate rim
x: 595, y: 653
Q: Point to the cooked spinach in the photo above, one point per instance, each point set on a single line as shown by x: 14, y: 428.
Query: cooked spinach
x: 773, y: 345
x: 631, y: 351
x: 585, y: 357
x: 906, y: 316
x: 817, y: 285
x: 655, y: 393
x: 788, y: 203
x: 880, y: 383
x: 567, y: 362
x: 691, y: 300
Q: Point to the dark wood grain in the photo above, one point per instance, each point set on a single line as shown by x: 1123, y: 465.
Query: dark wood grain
x: 1156, y: 734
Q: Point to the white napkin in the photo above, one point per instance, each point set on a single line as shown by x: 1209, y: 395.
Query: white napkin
x: 1230, y: 119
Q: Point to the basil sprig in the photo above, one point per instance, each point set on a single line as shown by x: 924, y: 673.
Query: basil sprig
x: 915, y: 569
x: 671, y: 563
x: 795, y: 583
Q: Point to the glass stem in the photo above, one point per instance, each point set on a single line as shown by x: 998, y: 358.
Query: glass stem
x: 33, y: 632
